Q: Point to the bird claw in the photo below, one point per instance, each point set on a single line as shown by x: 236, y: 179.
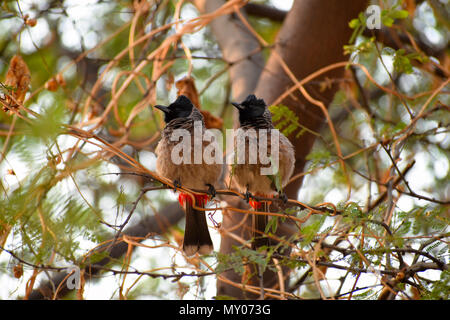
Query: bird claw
x: 283, y: 197
x: 176, y: 184
x: 211, y: 190
x: 247, y: 196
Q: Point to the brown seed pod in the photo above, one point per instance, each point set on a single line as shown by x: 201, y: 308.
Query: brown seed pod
x: 18, y: 271
x: 60, y: 80
x: 52, y: 85
x: 31, y: 22
x: 18, y: 78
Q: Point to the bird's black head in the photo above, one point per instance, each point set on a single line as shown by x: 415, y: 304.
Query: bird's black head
x: 250, y: 108
x: 180, y: 108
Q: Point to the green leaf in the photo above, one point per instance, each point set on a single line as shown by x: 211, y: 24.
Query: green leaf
x: 311, y: 230
x: 440, y: 290
x: 400, y: 126
x: 49, y: 124
x: 287, y: 121
x: 319, y: 157
x: 229, y: 261
x: 354, y: 23
x: 387, y: 21
x: 272, y: 224
x: 399, y: 14
x: 276, y: 178
x: 364, y: 46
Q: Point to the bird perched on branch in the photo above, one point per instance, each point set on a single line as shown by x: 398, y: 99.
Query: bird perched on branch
x: 263, y: 160
x: 185, y: 126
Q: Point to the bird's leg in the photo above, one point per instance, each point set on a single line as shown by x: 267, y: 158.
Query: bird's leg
x: 282, y: 195
x: 211, y: 190
x: 176, y: 184
x: 247, y: 195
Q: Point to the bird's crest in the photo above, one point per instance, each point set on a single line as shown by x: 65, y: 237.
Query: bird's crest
x: 182, y: 102
x: 251, y: 100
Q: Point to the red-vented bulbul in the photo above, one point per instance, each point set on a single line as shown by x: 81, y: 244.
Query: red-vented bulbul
x: 253, y: 116
x: 182, y: 114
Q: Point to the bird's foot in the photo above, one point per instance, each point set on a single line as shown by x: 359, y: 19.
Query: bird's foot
x: 247, y: 195
x: 282, y: 195
x: 211, y: 190
x: 176, y: 185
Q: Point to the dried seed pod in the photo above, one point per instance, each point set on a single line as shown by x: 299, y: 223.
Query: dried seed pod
x: 52, y: 85
x: 60, y: 80
x: 18, y: 271
x: 31, y: 22
x: 18, y: 79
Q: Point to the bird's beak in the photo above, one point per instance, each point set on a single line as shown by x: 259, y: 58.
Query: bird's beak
x: 162, y: 108
x: 237, y: 105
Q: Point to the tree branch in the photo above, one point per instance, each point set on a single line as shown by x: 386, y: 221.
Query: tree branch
x: 158, y: 223
x: 265, y: 11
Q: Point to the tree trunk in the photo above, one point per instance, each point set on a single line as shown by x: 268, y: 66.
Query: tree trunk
x: 239, y: 48
x: 312, y: 37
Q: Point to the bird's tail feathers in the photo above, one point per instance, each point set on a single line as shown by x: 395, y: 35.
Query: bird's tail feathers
x: 259, y: 223
x: 196, y: 234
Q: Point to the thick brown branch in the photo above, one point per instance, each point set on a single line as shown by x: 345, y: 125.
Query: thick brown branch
x: 265, y: 11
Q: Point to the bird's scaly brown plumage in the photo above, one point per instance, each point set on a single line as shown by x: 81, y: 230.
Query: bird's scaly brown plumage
x: 254, y: 115
x: 189, y: 175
